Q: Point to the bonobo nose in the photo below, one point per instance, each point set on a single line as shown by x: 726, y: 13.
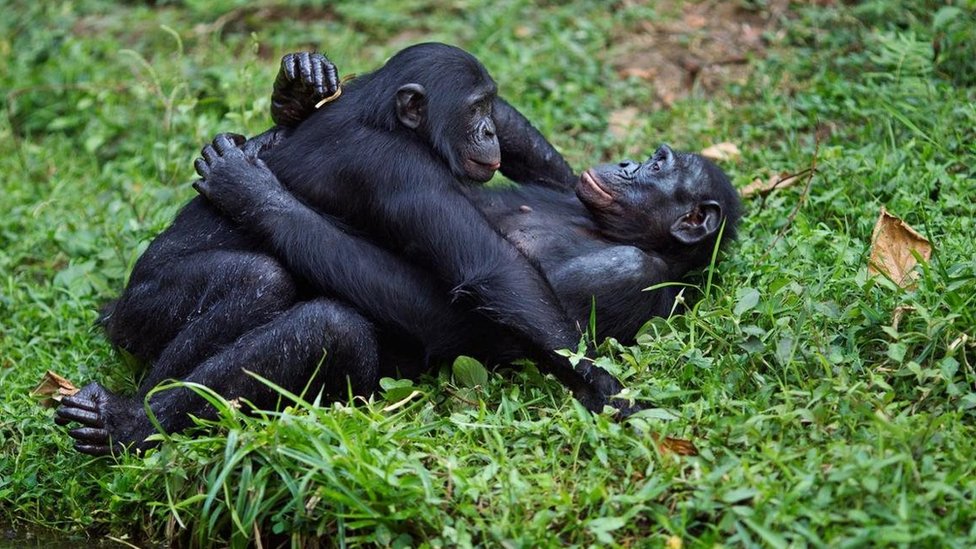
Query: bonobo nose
x: 629, y: 167
x: 488, y: 129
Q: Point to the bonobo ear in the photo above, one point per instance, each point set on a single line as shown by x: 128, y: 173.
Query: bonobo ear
x: 411, y: 105
x: 697, y: 224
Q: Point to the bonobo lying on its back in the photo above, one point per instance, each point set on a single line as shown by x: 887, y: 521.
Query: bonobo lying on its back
x: 627, y: 227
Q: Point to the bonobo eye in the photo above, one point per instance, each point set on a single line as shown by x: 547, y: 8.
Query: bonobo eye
x: 482, y: 107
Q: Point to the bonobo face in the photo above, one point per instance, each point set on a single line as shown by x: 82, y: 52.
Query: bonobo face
x: 672, y: 199
x: 478, y: 151
x: 448, y: 102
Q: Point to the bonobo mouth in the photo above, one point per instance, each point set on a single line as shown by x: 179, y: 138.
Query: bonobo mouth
x: 590, y: 189
x: 481, y: 170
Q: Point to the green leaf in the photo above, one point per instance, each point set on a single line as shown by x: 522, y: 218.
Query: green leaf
x: 395, y: 389
x: 601, y: 527
x: 945, y: 16
x: 748, y: 298
x: 739, y: 494
x: 896, y: 351
x: 468, y: 372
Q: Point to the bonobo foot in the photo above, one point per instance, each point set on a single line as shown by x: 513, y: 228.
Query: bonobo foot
x: 303, y: 80
x: 109, y: 422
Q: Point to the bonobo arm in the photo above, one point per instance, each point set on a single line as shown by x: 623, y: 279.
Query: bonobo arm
x: 315, y: 248
x: 614, y: 280
x: 527, y: 157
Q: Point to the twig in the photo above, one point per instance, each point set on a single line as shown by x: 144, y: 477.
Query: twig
x: 765, y: 190
x: 454, y: 394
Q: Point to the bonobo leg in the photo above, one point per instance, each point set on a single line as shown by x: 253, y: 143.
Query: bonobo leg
x: 288, y: 351
x: 188, y: 307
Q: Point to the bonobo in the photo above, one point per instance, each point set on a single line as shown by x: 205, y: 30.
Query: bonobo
x: 207, y: 298
x: 627, y: 227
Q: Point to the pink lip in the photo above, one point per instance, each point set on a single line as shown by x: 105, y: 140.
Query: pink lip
x: 492, y: 166
x: 594, y: 183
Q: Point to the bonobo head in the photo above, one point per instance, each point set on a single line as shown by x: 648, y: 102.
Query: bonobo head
x: 444, y: 96
x: 672, y: 204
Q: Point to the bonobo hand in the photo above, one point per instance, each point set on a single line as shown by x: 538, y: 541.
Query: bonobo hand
x: 236, y: 184
x: 303, y: 80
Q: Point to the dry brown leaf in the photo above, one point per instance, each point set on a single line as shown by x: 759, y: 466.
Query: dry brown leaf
x: 892, y: 244
x: 722, y: 151
x: 761, y: 188
x: 638, y: 72
x: 676, y: 446
x: 523, y: 31
x: 52, y: 388
x: 622, y: 122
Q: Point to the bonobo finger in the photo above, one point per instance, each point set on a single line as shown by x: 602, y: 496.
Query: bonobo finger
x: 251, y: 149
x: 305, y: 66
x: 90, y: 435
x: 202, y: 168
x: 201, y: 187
x: 331, y: 75
x: 65, y: 415
x: 318, y: 75
x: 79, y: 402
x: 225, y: 144
x: 93, y: 449
x: 209, y: 154
x: 288, y: 65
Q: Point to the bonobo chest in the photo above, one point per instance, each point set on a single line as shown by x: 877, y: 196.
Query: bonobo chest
x: 549, y: 230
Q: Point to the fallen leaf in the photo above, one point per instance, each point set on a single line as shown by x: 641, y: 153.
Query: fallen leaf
x: 695, y: 20
x: 638, y: 72
x: 622, y: 122
x: 52, y: 388
x: 892, y: 245
x: 522, y: 31
x: 676, y: 446
x: 721, y: 151
x: 781, y: 181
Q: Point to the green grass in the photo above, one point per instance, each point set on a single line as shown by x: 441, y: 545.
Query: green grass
x: 819, y: 421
